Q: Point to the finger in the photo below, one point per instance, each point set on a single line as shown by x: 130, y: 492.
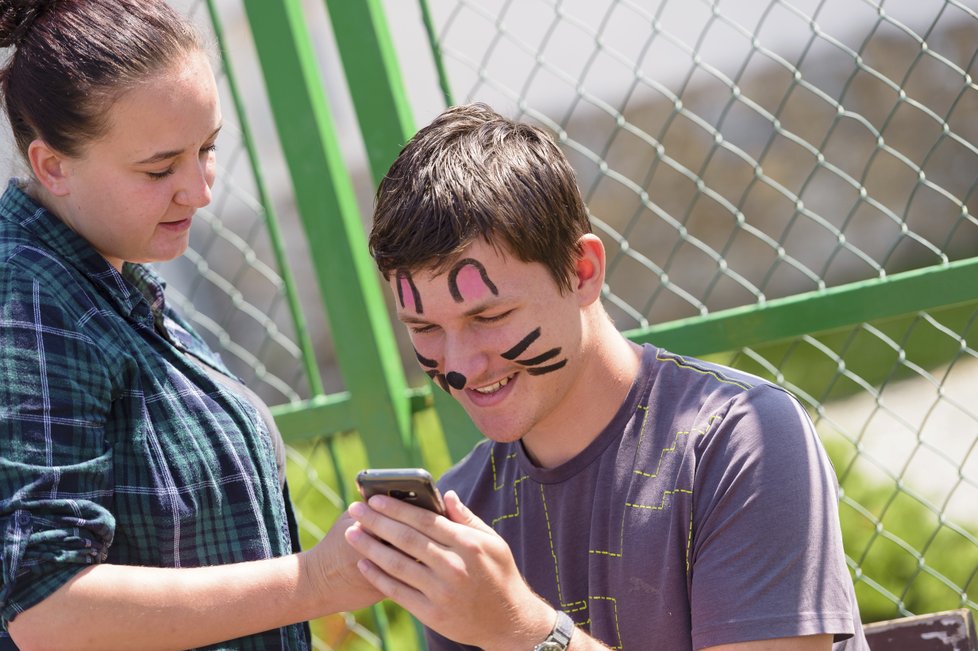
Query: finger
x: 403, y: 594
x: 413, y: 529
x: 385, y: 518
x: 388, y: 559
x: 458, y: 512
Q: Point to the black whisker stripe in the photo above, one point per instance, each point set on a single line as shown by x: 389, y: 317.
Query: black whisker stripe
x: 547, y: 369
x: 439, y: 378
x: 540, y: 359
x: 424, y: 361
x: 518, y: 349
x: 453, y: 278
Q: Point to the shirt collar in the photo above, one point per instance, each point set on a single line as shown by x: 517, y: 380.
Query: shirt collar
x: 135, y: 287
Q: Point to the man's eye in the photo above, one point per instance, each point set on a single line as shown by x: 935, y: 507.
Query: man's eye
x: 495, y: 317
x: 420, y: 330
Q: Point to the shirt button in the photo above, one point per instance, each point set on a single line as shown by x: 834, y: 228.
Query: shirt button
x: 23, y: 518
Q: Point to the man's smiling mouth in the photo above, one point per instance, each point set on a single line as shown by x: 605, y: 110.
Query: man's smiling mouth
x: 493, y: 388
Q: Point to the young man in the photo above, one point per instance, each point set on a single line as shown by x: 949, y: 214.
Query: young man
x: 626, y: 497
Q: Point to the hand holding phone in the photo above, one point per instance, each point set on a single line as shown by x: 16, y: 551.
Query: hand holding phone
x: 413, y: 485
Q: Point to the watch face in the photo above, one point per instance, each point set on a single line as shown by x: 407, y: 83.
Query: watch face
x: 549, y: 646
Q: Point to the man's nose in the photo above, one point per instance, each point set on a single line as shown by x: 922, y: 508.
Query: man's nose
x: 464, y: 360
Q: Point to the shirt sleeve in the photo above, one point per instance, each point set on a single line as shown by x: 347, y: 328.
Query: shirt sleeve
x: 767, y: 558
x: 56, y: 473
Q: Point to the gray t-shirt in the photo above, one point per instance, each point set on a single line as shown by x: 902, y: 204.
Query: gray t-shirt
x: 705, y: 513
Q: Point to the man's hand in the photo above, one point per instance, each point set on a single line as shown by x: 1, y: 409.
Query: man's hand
x: 455, y: 574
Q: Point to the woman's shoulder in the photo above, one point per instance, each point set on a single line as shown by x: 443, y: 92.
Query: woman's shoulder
x: 34, y: 277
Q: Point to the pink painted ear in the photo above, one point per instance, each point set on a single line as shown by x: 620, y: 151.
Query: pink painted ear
x: 468, y: 280
x: 405, y: 292
x: 470, y: 283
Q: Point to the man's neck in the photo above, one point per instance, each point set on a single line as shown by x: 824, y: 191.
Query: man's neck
x: 610, y: 367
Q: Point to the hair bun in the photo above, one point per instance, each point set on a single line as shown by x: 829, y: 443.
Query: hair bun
x: 17, y: 17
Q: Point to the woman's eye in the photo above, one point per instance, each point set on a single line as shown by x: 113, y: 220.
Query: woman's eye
x: 160, y: 175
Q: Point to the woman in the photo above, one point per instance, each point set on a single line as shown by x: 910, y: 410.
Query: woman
x: 141, y: 502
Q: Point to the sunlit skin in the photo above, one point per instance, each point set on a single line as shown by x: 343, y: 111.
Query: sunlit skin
x: 536, y: 395
x: 455, y: 573
x: 132, y: 193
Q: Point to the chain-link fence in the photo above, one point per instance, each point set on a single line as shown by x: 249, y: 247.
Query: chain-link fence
x: 732, y: 154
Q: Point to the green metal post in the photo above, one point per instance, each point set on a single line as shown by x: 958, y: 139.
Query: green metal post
x: 363, y: 338
x: 384, y: 113
x: 271, y: 222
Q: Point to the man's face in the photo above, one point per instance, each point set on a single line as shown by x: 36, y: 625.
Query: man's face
x: 498, y: 335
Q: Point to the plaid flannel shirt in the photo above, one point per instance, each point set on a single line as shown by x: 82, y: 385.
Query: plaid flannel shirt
x: 116, y: 445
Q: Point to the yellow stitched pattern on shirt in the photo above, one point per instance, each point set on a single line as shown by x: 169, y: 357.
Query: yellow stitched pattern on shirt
x: 681, y: 363
x: 492, y: 463
x: 614, y: 610
x: 564, y: 605
x: 516, y: 505
x: 698, y: 431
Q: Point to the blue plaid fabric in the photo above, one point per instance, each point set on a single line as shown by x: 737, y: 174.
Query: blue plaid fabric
x: 116, y: 446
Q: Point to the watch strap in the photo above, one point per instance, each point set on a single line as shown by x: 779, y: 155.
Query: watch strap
x: 560, y: 635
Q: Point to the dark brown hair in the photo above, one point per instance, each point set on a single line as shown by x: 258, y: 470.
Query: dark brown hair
x: 474, y: 174
x: 74, y: 58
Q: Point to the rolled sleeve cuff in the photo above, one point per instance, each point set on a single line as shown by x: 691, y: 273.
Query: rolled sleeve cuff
x: 40, y: 554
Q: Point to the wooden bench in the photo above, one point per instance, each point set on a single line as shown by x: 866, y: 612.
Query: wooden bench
x: 951, y: 630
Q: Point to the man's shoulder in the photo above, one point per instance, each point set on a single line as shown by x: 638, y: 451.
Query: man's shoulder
x: 709, y: 377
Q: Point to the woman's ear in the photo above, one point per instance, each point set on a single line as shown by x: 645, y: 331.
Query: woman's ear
x: 49, y: 166
x: 589, y: 268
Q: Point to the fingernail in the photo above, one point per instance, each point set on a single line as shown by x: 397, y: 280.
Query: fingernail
x: 377, y: 503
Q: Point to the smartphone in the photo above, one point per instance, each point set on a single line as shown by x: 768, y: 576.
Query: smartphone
x: 413, y: 485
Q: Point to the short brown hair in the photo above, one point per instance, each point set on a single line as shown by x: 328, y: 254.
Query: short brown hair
x: 474, y: 174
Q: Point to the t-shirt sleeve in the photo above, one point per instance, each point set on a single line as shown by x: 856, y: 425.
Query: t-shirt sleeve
x: 55, y: 466
x: 766, y: 550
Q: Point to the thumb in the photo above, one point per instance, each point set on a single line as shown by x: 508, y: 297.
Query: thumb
x: 458, y: 512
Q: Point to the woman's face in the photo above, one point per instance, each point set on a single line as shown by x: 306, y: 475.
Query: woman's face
x: 133, y: 192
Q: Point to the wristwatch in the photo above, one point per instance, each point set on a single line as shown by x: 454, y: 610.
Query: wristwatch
x: 560, y: 636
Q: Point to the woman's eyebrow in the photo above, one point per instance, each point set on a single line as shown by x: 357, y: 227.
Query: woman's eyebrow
x: 166, y: 155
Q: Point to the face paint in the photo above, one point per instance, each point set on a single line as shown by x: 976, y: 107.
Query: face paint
x: 468, y: 280
x: 534, y: 362
x: 431, y: 371
x: 455, y: 380
x: 524, y: 343
x: 407, y: 292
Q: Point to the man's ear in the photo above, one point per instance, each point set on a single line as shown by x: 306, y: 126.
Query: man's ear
x: 589, y: 268
x: 49, y: 166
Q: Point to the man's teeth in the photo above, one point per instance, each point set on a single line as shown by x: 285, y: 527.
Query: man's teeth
x: 492, y: 388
